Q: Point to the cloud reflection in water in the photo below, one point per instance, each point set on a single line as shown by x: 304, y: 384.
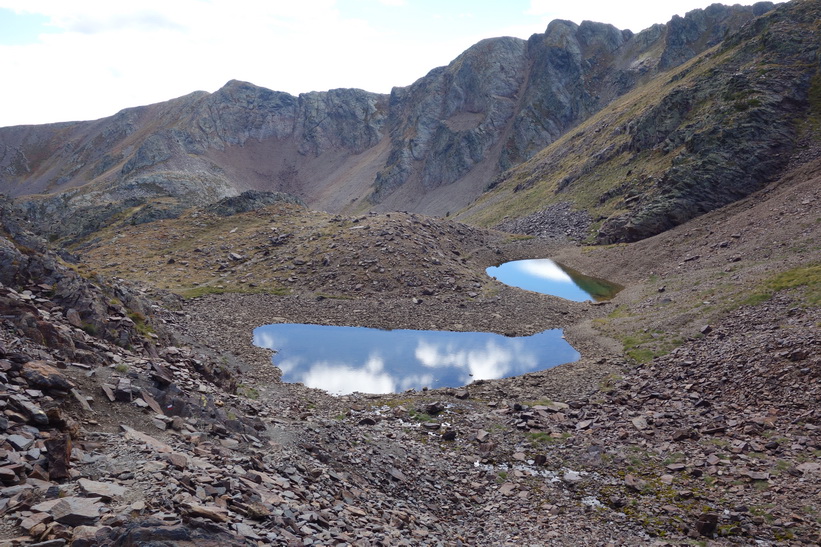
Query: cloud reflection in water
x: 544, y: 269
x: 544, y: 276
x: 342, y: 360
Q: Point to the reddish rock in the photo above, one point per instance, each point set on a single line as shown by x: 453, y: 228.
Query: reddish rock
x: 58, y: 453
x: 41, y: 375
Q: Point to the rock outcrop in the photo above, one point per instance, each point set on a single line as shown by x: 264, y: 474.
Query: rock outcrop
x: 115, y: 314
x: 745, y: 139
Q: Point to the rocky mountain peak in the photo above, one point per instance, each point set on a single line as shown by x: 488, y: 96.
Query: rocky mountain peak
x: 431, y: 147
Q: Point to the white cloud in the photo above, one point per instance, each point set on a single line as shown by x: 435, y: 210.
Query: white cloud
x: 415, y: 381
x: 263, y: 339
x: 289, y: 365
x: 108, y: 56
x: 341, y: 380
x: 481, y: 363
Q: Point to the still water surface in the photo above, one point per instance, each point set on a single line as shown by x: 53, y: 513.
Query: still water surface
x: 545, y: 276
x: 343, y: 360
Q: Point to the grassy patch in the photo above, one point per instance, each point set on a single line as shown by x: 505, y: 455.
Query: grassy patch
x: 420, y: 416
x: 619, y: 312
x: 544, y: 402
x: 204, y: 290
x: 645, y: 346
x: 518, y: 237
x: 248, y: 392
x: 140, y: 323
x: 635, y: 347
x: 806, y: 279
x: 756, y: 298
x: 641, y: 355
x: 540, y: 437
x: 608, y: 383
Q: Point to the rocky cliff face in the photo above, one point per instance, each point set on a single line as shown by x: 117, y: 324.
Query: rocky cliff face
x: 695, y: 138
x: 505, y: 99
x: 431, y: 147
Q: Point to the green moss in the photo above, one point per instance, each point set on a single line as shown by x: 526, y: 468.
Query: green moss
x: 783, y: 535
x: 619, y: 312
x: 641, y: 355
x: 420, y: 416
x: 780, y: 467
x: 806, y: 280
x: 519, y: 237
x: 540, y: 436
x: 539, y: 402
x: 674, y: 458
x: 247, y: 391
x: 608, y: 383
x: 141, y: 323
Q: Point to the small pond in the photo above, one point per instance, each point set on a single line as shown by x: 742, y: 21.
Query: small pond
x: 545, y: 276
x: 342, y: 360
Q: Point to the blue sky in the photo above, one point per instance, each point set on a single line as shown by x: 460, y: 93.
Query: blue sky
x: 86, y: 59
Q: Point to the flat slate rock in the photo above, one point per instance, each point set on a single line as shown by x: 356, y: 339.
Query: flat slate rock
x: 75, y: 511
x: 104, y: 490
x: 133, y: 434
x: 41, y: 375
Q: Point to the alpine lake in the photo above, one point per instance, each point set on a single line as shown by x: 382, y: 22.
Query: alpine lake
x: 343, y: 360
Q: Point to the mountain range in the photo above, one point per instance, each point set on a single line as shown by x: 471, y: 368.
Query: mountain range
x: 642, y: 131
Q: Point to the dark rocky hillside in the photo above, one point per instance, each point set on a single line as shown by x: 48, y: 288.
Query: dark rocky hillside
x: 431, y: 147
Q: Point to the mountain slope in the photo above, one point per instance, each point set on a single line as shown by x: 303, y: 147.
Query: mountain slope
x: 432, y: 147
x: 710, y: 132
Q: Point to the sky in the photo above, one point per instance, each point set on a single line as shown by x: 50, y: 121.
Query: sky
x: 86, y: 59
